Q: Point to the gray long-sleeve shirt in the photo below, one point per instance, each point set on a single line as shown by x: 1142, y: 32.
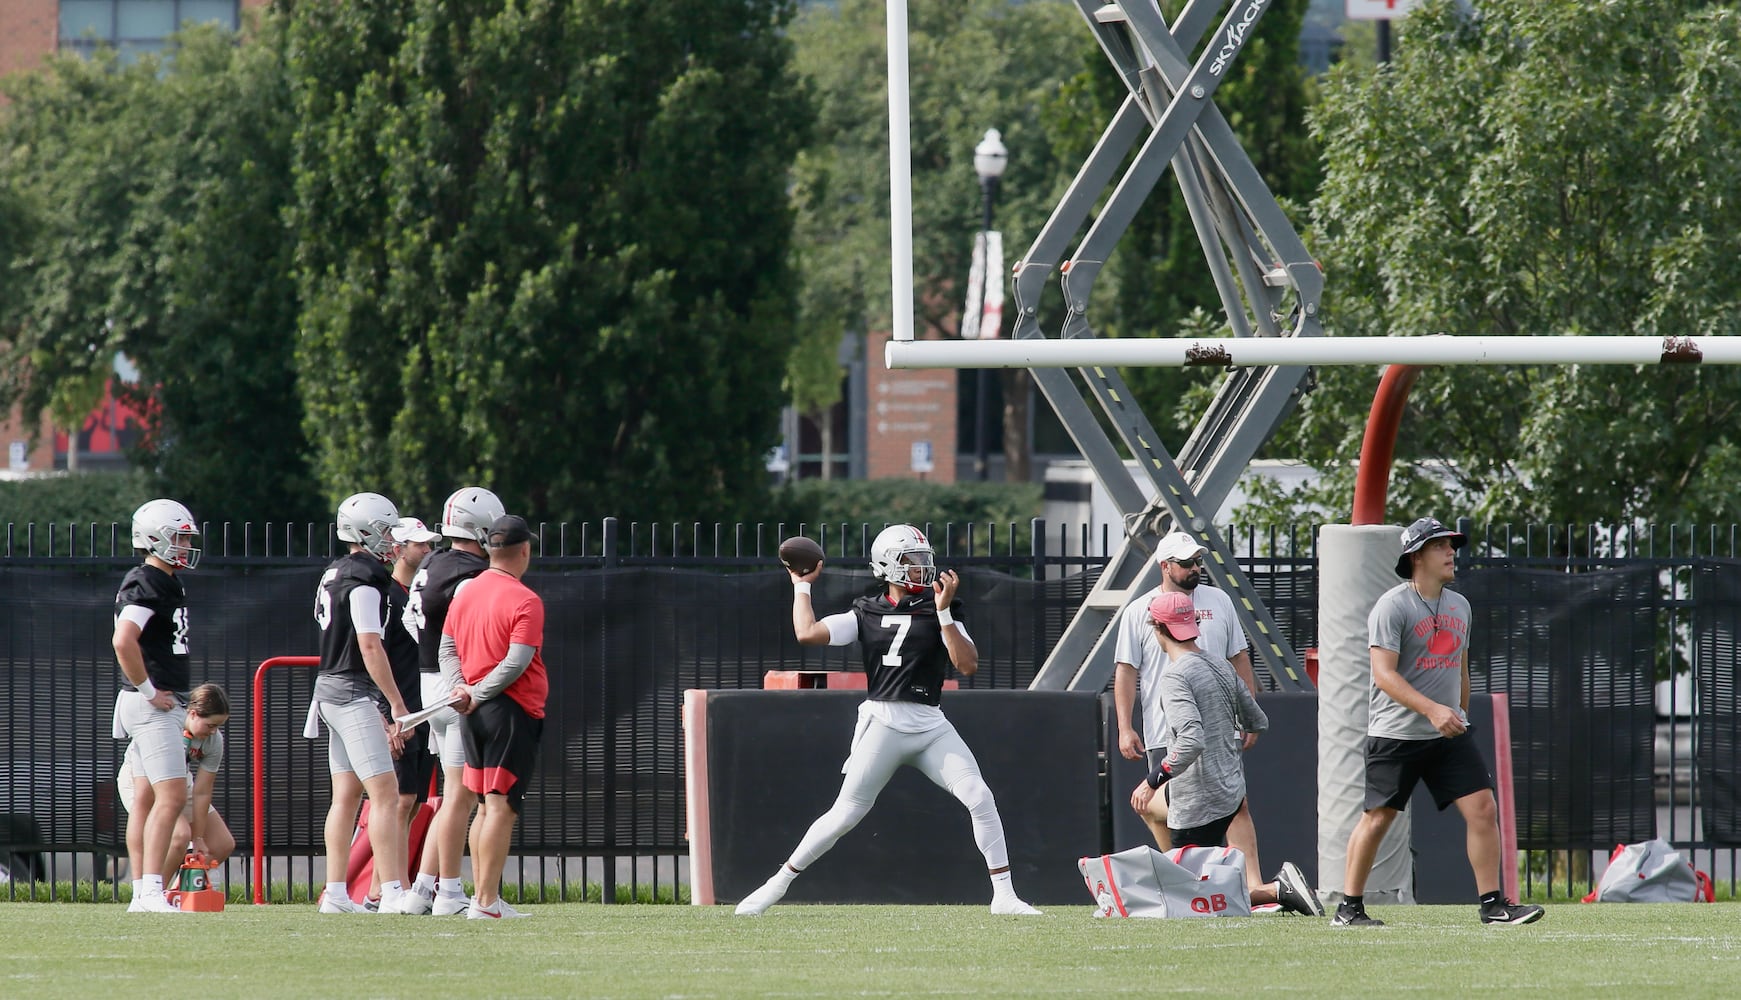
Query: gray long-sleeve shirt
x: 1206, y: 706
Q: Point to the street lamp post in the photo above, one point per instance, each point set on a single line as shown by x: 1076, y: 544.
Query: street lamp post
x: 989, y: 159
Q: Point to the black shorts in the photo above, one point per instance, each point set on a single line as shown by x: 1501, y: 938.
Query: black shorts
x: 416, y: 765
x: 1451, y: 766
x: 501, y: 749
x: 1211, y: 834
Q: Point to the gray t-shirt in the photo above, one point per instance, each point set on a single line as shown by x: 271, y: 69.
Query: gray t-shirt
x: 1207, y: 706
x: 1430, y: 639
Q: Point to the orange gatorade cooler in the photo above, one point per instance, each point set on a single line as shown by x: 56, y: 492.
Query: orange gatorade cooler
x: 194, y: 892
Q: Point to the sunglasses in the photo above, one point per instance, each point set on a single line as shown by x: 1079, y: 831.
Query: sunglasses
x: 1187, y: 563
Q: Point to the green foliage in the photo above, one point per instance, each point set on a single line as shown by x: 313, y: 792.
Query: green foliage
x: 880, y: 502
x: 153, y: 193
x: 1548, y: 168
x: 543, y: 246
x: 101, y: 498
x: 972, y: 66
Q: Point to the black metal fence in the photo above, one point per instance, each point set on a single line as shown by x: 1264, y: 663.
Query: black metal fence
x: 1576, y: 626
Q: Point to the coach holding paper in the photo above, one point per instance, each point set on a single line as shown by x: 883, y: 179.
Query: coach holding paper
x: 491, y: 640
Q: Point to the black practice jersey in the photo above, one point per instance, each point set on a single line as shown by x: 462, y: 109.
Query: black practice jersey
x: 343, y: 676
x: 431, y: 593
x: 902, y: 645
x: 402, y: 649
x: 163, y: 640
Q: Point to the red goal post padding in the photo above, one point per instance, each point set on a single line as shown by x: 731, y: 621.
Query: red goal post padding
x: 259, y: 764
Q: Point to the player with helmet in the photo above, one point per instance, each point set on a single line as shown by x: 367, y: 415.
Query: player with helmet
x: 909, y: 635
x: 355, y: 696
x: 151, y: 645
x: 465, y: 521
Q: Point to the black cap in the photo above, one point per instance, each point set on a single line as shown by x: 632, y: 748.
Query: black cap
x: 1420, y: 533
x: 510, y: 529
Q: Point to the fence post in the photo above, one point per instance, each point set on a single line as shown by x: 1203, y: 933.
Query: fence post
x: 610, y: 543
x: 1037, y: 547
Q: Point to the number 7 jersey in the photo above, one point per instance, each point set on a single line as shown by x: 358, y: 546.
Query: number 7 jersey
x: 902, y: 645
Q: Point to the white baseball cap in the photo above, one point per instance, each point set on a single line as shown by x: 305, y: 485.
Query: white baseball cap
x: 410, y: 529
x: 1178, y: 545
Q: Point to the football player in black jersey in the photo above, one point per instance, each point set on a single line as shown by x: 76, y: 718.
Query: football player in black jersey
x: 465, y: 520
x: 151, y: 645
x: 909, y: 636
x: 355, y: 696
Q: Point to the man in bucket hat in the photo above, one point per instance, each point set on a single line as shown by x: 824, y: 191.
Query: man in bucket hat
x: 1418, y: 724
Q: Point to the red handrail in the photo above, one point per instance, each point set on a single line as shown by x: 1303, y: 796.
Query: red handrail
x: 259, y: 764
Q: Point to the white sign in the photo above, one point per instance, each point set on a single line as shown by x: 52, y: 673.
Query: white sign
x: 777, y: 461
x: 18, y: 456
x: 1379, y: 10
x: 922, y: 456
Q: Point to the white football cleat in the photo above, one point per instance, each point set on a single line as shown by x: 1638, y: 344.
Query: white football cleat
x: 500, y: 911
x: 340, y: 904
x: 152, y: 902
x: 756, y: 903
x: 417, y: 904
x: 450, y: 906
x: 1012, y: 906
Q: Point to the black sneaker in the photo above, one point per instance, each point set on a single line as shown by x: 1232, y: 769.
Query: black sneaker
x: 1295, y: 895
x: 1507, y: 912
x: 1348, y: 916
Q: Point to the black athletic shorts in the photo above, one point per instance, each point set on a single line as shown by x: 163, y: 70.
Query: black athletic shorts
x: 416, y: 764
x: 1211, y: 834
x: 1451, y: 766
x: 501, y: 749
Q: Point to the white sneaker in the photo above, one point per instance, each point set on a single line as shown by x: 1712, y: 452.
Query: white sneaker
x: 340, y: 904
x: 450, y: 906
x: 500, y: 911
x: 403, y: 904
x: 152, y: 902
x: 756, y: 903
x: 417, y: 904
x: 1012, y: 906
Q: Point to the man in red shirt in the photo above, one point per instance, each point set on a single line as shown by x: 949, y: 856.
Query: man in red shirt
x: 489, y: 647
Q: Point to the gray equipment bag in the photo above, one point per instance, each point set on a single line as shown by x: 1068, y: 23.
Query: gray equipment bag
x: 1651, y: 872
x: 1184, y: 882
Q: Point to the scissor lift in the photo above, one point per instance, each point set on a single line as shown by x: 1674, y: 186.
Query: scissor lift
x: 1269, y: 285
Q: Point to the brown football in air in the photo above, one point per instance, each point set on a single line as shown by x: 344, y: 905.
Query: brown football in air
x: 800, y: 554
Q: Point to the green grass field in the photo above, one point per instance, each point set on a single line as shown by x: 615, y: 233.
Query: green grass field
x: 580, y: 950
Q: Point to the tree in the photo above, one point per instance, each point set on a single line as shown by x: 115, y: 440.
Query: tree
x: 543, y: 246
x: 975, y: 65
x: 1545, y: 168
x: 154, y: 192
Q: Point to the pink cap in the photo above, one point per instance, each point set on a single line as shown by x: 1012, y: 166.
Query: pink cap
x: 1175, y: 611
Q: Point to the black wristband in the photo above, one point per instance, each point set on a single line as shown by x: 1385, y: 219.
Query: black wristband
x: 1159, y: 776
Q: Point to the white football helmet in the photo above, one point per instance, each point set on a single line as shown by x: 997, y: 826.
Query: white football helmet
x: 469, y: 512
x: 896, y: 551
x: 165, y: 529
x: 368, y: 519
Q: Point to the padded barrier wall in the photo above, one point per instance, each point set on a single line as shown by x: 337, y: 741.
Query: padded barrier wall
x: 773, y: 761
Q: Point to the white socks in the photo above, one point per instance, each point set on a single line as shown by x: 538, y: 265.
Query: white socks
x: 337, y: 890
x: 152, y: 885
x: 1002, y: 887
x: 425, y: 883
x: 450, y: 887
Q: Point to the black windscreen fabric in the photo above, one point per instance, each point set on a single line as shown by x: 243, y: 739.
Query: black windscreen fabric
x: 621, y: 646
x: 1717, y: 612
x: 1576, y: 653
